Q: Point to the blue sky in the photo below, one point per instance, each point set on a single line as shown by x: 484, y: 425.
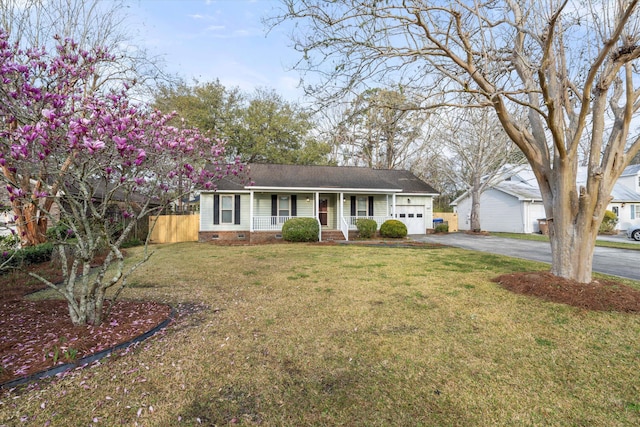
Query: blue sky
x: 219, y: 39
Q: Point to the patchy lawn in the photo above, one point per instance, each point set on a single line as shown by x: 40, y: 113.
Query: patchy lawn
x: 352, y: 335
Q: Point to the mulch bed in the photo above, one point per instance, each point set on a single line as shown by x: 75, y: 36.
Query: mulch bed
x: 38, y: 335
x: 599, y: 295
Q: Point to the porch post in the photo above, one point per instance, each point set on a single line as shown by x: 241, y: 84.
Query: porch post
x: 251, y: 211
x: 316, y: 210
x: 393, y: 209
x: 340, y: 209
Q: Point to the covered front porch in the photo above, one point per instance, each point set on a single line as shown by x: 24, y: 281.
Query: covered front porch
x: 333, y: 211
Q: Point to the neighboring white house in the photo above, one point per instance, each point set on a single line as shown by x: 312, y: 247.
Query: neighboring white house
x: 514, y: 204
x: 335, y: 196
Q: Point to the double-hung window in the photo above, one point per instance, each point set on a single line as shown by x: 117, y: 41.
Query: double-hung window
x: 226, y: 209
x: 362, y: 206
x: 283, y: 206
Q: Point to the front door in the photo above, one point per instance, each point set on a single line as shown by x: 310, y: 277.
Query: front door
x: 322, y: 211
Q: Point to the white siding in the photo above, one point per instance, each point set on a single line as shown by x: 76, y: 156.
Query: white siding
x: 206, y: 214
x: 262, y: 204
x: 533, y: 211
x: 498, y: 212
x: 624, y: 215
x: 380, y: 204
x: 419, y: 204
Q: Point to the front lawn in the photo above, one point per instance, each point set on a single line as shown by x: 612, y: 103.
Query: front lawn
x: 297, y: 334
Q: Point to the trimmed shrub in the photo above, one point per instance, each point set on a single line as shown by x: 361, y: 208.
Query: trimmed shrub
x: 29, y: 255
x: 442, y: 228
x: 393, y: 228
x: 132, y: 243
x: 301, y: 230
x: 608, y: 223
x: 366, y: 227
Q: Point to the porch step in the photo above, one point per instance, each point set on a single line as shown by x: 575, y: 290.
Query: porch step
x: 328, y: 235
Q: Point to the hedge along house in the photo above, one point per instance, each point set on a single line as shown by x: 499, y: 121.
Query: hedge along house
x: 335, y: 196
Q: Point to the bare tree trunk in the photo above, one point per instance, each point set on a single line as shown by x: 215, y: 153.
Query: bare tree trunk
x: 572, y: 247
x: 32, y: 228
x: 475, y: 209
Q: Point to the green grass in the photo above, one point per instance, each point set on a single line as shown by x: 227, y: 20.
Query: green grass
x: 542, y: 238
x: 351, y: 335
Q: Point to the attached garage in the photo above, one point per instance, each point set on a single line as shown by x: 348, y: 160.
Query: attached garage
x: 413, y: 216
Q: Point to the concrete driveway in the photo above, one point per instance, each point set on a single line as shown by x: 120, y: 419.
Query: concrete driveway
x: 616, y: 262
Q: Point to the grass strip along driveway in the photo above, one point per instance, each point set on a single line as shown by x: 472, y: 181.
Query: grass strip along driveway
x: 293, y: 335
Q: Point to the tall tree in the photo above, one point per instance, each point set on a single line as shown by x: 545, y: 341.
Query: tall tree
x: 571, y: 64
x: 479, y: 150
x: 274, y: 130
x: 209, y: 106
x: 386, y: 128
x: 261, y: 127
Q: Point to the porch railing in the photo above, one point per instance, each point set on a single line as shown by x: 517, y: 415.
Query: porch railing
x: 344, y: 227
x: 271, y: 223
x: 351, y: 220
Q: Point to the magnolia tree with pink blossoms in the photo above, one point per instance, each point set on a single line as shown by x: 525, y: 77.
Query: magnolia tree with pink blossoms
x: 91, y: 164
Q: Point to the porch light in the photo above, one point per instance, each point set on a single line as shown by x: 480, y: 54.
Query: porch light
x: 308, y: 199
x: 408, y: 200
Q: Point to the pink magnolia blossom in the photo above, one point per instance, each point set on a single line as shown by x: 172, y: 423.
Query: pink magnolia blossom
x: 100, y: 137
x: 93, y: 145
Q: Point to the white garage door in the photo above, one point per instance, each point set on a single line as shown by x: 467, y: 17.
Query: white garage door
x: 412, y: 217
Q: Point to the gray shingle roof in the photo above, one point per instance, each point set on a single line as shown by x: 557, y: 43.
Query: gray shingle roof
x: 631, y: 170
x: 328, y: 177
x: 526, y: 188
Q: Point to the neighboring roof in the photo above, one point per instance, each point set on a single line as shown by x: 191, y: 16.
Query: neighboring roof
x: 631, y: 170
x: 520, y: 190
x: 523, y: 186
x: 272, y: 176
x: 621, y: 194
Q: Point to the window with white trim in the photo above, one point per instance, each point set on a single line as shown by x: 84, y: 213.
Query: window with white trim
x: 362, y: 206
x: 635, y: 211
x: 226, y: 209
x: 284, y: 208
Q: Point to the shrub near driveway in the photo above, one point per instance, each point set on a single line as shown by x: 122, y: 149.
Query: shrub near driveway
x: 347, y: 335
x: 393, y: 228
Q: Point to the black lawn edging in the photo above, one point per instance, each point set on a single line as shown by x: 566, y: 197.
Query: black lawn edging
x: 90, y: 358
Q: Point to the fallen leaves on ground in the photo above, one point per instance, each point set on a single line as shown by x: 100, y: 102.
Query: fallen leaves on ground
x: 38, y: 335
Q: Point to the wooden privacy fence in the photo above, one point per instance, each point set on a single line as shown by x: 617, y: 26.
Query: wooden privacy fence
x: 174, y: 228
x: 449, y: 217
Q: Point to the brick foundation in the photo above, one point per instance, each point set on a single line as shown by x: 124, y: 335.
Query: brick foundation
x: 225, y: 237
x: 239, y: 237
x: 247, y: 238
x: 258, y: 237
